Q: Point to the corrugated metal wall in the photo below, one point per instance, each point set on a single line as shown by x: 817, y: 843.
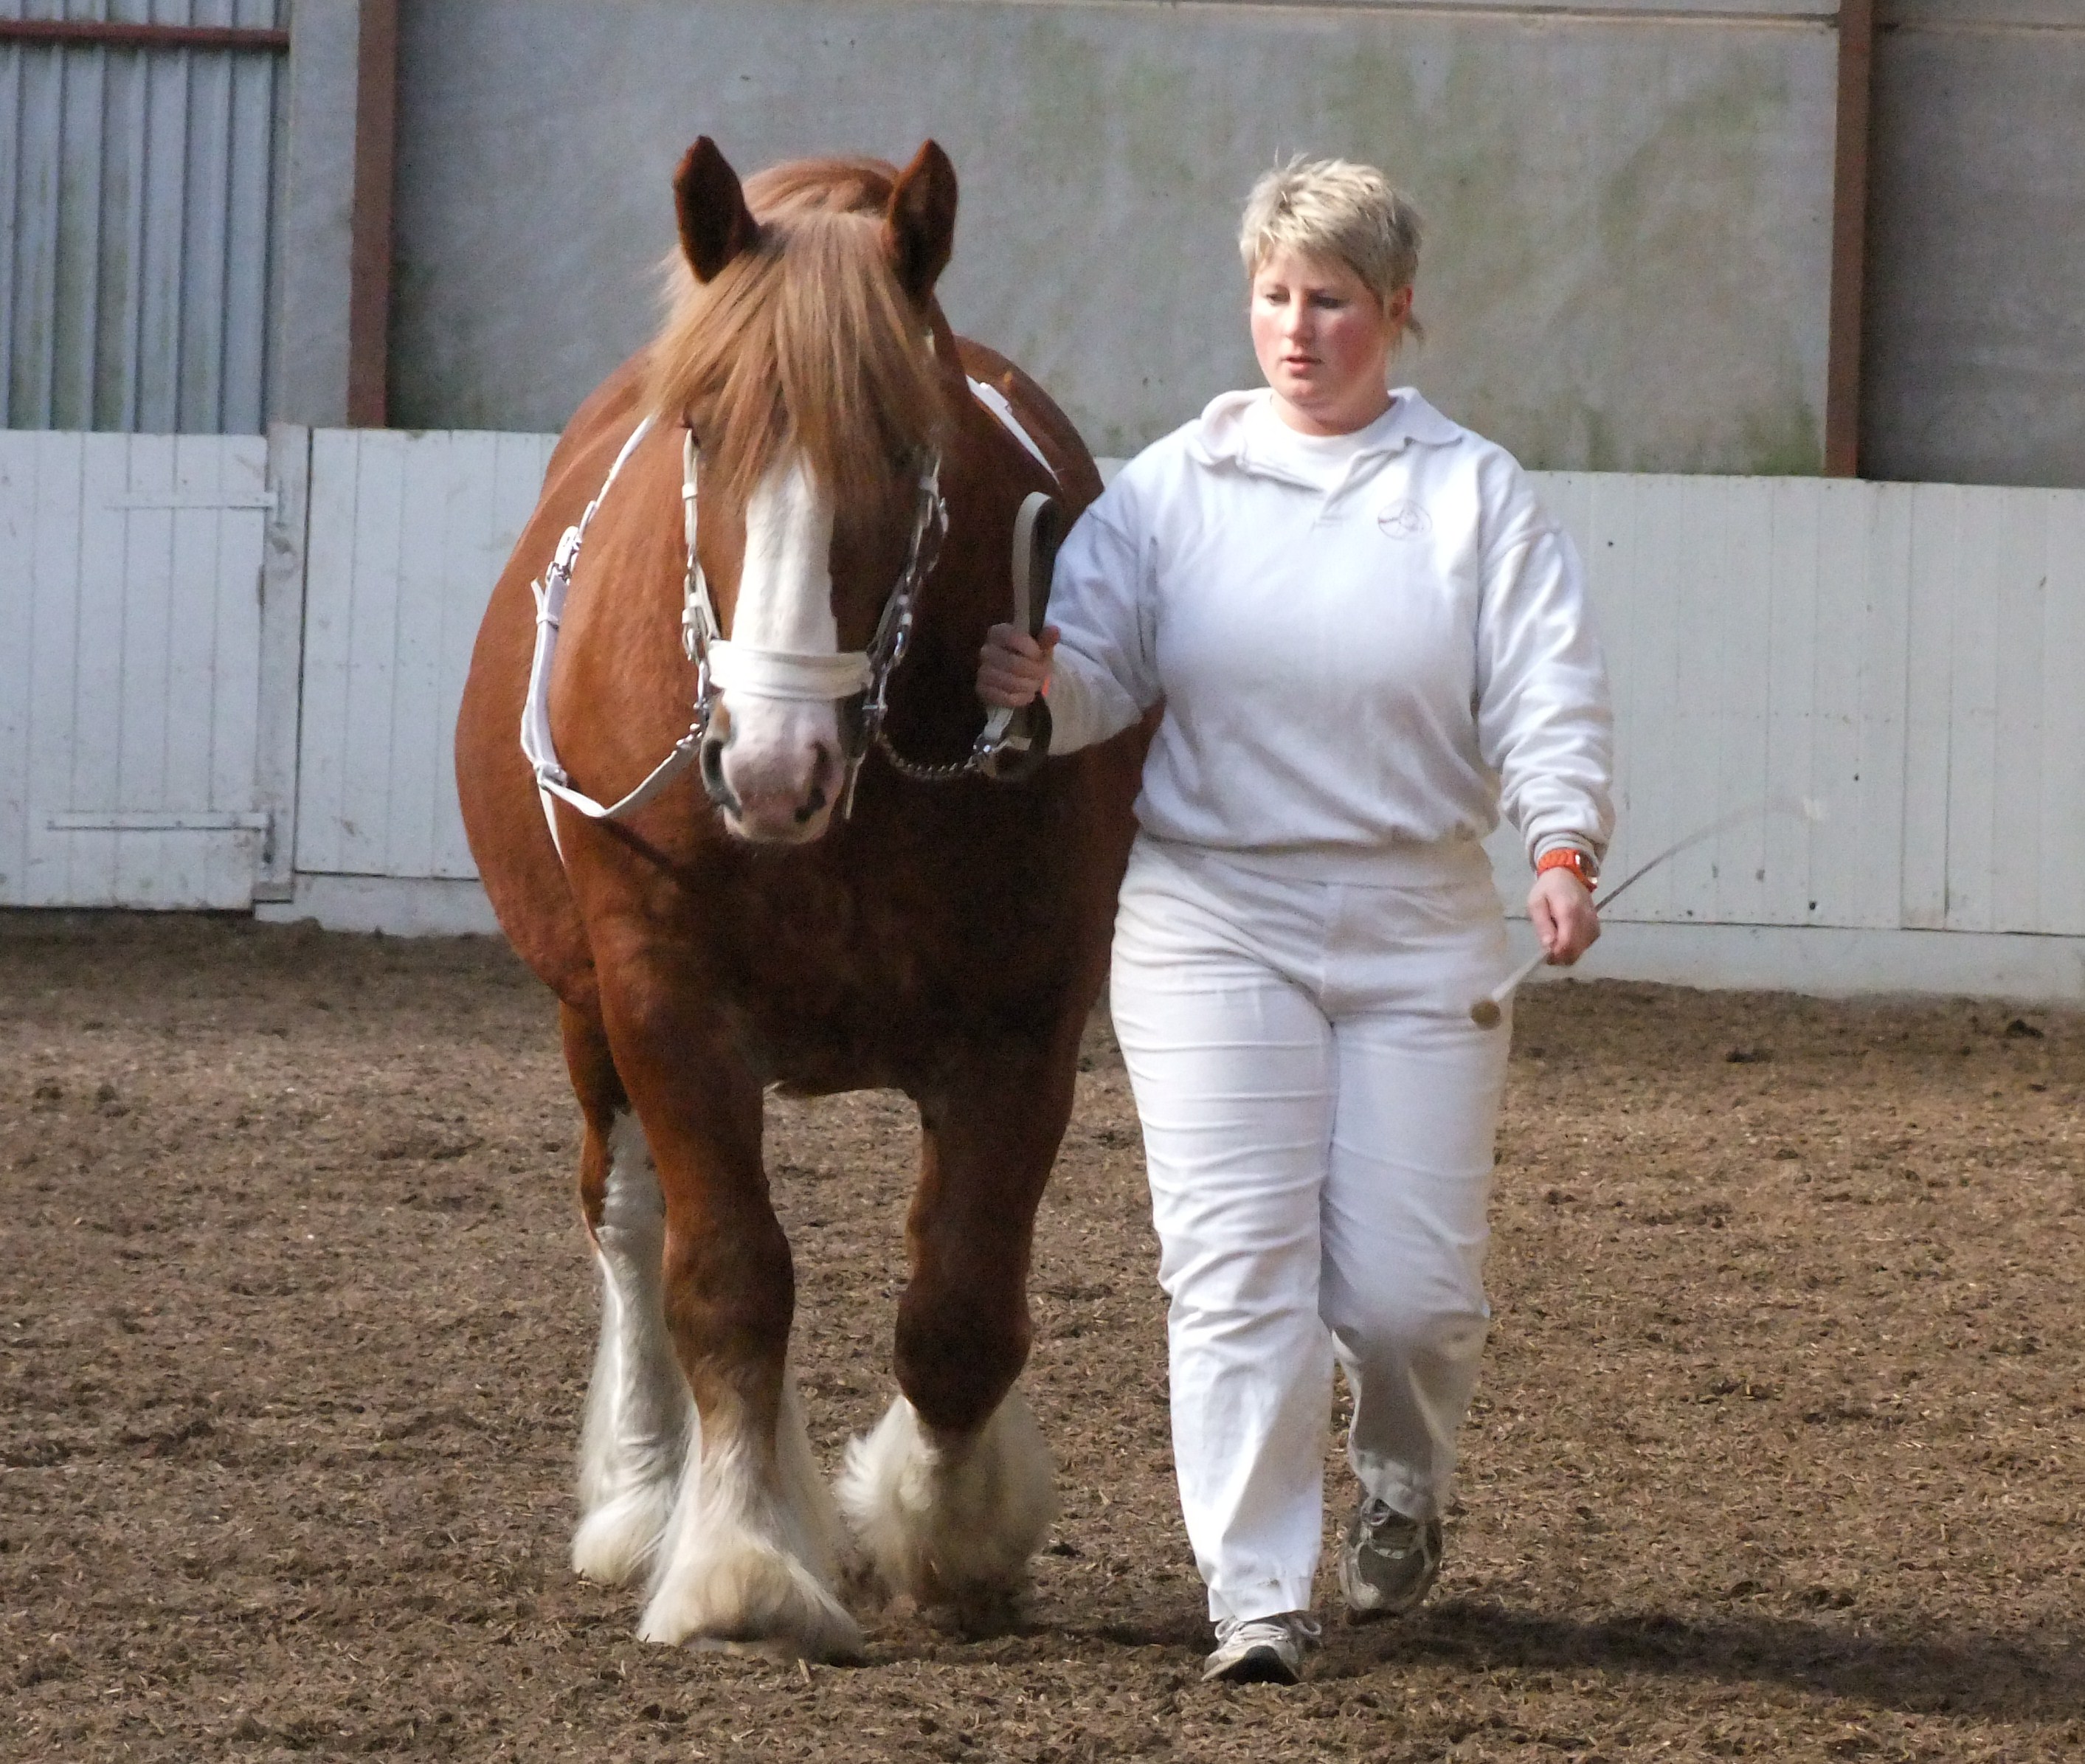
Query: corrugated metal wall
x: 138, y: 203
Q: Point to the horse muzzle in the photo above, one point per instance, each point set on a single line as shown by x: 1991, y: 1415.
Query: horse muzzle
x: 775, y: 779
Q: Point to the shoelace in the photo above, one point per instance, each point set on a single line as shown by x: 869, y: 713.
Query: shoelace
x: 1272, y: 1630
x: 1403, y: 1536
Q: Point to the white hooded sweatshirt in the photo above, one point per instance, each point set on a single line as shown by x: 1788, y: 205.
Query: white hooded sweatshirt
x: 1367, y: 645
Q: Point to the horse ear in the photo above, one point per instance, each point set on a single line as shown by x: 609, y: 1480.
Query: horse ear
x: 920, y: 226
x: 716, y: 223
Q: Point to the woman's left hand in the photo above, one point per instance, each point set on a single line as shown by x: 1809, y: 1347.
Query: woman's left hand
x: 1560, y: 907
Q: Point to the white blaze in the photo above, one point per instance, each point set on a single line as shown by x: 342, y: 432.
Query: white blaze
x: 784, y: 604
x: 785, y: 591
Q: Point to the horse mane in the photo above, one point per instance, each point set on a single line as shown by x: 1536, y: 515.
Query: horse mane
x: 804, y: 341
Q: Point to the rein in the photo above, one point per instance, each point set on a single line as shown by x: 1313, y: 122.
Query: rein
x: 1000, y: 750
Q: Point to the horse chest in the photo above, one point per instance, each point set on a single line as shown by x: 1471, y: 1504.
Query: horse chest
x: 831, y: 978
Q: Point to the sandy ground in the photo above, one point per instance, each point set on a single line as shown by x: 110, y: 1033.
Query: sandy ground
x: 1777, y: 1452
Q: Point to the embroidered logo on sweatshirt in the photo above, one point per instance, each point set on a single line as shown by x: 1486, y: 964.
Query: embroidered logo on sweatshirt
x: 1404, y: 521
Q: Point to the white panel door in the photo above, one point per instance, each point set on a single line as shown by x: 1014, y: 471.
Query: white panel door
x: 408, y: 533
x: 130, y: 683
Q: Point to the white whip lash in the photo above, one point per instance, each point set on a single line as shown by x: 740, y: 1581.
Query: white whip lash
x: 1487, y: 1011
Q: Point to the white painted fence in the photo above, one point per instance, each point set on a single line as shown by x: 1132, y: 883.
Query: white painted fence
x: 408, y: 533
x: 1907, y: 657
x: 130, y: 710
x: 1903, y: 656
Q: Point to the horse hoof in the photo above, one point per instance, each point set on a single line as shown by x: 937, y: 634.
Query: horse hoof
x: 759, y: 1601
x: 777, y: 1650
x: 977, y: 1613
x: 951, y: 1522
x: 616, y: 1543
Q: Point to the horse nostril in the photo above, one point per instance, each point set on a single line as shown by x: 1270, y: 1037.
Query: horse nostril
x: 713, y: 770
x: 821, y: 771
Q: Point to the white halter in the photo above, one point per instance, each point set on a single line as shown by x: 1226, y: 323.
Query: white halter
x: 723, y: 665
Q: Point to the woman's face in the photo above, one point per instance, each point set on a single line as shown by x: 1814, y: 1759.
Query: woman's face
x: 1324, y: 341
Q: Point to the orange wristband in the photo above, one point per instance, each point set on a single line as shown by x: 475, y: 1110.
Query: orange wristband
x: 1571, y: 858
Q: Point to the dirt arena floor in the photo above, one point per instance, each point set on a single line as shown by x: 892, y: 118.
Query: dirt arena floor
x: 1777, y: 1453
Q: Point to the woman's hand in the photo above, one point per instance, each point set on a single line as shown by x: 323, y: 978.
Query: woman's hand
x: 1013, y: 668
x: 1560, y: 907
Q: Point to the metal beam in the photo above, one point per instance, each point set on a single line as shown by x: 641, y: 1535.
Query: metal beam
x: 98, y: 34
x: 369, y: 259
x: 1850, y: 240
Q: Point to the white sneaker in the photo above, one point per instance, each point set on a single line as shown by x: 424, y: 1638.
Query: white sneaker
x: 1389, y: 1562
x: 1261, y: 1650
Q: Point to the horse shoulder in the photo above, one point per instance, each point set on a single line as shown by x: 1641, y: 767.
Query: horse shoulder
x: 502, y: 816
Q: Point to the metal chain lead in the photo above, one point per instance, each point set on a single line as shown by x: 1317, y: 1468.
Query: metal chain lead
x: 930, y: 526
x: 922, y: 772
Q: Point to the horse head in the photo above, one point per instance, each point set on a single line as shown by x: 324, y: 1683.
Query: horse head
x: 800, y: 359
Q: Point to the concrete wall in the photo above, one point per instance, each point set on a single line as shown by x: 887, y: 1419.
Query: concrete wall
x: 1974, y: 368
x: 1628, y: 266
x: 318, y: 214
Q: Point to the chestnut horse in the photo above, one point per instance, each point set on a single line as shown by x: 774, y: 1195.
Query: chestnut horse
x: 820, y: 903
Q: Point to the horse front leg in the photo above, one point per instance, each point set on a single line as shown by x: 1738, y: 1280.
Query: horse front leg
x: 750, y: 1550
x: 638, y: 1412
x: 952, y: 1493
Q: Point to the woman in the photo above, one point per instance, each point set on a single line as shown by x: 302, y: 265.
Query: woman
x: 1370, y: 640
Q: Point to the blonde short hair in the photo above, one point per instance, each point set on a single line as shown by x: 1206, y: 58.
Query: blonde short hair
x: 1334, y: 209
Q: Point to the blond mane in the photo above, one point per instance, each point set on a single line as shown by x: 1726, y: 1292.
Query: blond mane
x: 804, y: 342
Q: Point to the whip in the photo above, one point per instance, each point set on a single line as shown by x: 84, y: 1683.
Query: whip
x: 1487, y: 1011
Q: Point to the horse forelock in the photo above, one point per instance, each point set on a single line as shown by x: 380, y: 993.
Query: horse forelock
x: 836, y: 185
x: 804, y: 343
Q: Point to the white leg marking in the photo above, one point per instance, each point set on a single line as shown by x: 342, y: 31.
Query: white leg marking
x: 750, y: 1552
x: 638, y: 1415
x: 951, y: 1519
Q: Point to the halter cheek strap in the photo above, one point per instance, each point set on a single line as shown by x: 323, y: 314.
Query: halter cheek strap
x: 553, y: 785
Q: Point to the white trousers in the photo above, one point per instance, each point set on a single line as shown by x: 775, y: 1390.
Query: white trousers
x: 1318, y: 1112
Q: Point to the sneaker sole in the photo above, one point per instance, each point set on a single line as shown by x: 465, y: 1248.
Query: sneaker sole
x: 1378, y: 1613
x: 1255, y: 1666
x: 1382, y: 1610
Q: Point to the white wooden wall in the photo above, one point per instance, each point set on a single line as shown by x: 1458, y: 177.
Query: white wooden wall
x: 1782, y: 639
x: 1905, y: 657
x: 408, y: 533
x: 130, y: 668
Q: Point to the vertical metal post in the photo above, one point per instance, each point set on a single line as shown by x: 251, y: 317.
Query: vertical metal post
x: 282, y: 658
x: 369, y: 262
x: 1849, y: 234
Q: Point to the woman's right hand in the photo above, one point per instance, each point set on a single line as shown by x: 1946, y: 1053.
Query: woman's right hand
x: 1013, y: 668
